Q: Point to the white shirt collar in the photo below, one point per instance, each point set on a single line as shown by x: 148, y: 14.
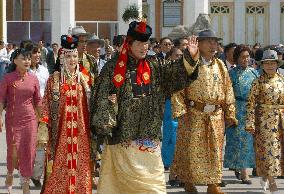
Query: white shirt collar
x: 206, y: 62
x: 229, y: 65
x: 100, y: 64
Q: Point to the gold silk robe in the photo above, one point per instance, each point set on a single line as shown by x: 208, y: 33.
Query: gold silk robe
x: 89, y: 68
x: 265, y: 120
x: 200, y: 136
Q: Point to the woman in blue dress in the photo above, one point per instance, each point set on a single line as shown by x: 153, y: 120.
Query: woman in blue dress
x: 169, y: 135
x: 169, y: 124
x: 239, y: 152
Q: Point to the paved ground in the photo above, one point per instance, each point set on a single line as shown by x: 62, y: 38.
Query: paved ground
x: 233, y: 186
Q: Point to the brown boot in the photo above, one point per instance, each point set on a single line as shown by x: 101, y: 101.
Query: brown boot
x: 214, y: 189
x: 26, y: 186
x: 190, y: 188
x: 9, y: 182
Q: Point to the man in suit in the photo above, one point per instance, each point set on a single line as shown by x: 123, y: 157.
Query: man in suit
x: 94, y: 46
x: 229, y: 51
x: 166, y: 46
x: 51, y: 58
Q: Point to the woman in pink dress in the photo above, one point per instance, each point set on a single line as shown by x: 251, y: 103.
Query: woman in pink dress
x: 19, y: 92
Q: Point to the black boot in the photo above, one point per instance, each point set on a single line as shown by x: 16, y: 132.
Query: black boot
x: 223, y: 184
x: 36, y: 182
x: 238, y: 174
x: 254, y: 172
x: 173, y: 181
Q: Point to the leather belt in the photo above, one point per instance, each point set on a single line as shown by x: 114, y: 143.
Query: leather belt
x: 272, y: 106
x: 203, y: 107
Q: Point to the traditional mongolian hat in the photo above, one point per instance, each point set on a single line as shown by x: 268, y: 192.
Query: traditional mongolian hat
x: 205, y: 34
x: 271, y: 55
x: 139, y: 31
x: 96, y: 39
x: 79, y: 31
x: 69, y: 42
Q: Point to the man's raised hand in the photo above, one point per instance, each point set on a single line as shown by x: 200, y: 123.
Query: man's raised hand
x: 192, y: 46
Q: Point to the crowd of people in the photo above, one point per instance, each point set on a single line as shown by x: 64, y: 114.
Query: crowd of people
x: 90, y: 108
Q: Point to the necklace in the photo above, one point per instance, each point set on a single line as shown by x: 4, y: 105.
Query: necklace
x: 70, y: 75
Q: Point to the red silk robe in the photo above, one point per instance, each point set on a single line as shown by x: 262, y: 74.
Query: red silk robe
x: 71, y: 172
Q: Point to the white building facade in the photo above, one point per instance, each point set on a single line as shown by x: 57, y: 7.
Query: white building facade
x: 240, y: 21
x: 248, y: 21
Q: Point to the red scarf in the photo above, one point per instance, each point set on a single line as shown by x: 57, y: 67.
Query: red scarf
x: 143, y: 71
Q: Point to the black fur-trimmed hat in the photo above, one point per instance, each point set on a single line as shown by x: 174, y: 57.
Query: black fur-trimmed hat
x: 139, y: 31
x: 69, y: 41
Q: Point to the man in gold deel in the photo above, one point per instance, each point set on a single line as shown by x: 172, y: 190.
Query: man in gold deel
x: 203, y: 109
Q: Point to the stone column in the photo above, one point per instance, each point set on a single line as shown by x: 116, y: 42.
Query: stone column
x: 62, y: 16
x: 240, y: 21
x: 192, y: 9
x: 3, y: 23
x: 46, y: 11
x: 17, y: 10
x: 121, y: 5
x: 152, y: 16
x: 35, y: 10
x: 274, y: 21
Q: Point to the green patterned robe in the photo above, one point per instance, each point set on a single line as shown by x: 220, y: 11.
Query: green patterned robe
x: 137, y: 118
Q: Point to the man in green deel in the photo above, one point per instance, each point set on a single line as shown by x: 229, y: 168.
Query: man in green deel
x: 131, y: 160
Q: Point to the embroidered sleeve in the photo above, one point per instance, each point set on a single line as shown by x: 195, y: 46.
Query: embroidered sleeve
x: 178, y: 104
x: 189, y: 63
x: 251, y: 105
x: 47, y: 98
x: 103, y: 118
x: 179, y: 74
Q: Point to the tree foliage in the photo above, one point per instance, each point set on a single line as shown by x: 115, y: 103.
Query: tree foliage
x: 130, y: 13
